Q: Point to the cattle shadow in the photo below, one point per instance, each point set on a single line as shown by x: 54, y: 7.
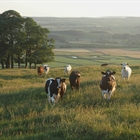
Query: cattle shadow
x: 23, y: 102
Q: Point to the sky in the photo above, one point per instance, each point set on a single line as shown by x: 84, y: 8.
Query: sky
x: 72, y: 8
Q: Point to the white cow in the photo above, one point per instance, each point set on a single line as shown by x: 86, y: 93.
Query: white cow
x: 126, y: 71
x: 67, y: 69
x: 46, y: 69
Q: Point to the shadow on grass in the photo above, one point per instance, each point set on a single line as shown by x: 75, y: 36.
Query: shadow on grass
x: 27, y: 76
x: 22, y: 103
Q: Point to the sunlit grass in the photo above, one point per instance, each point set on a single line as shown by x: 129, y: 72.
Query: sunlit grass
x: 26, y: 115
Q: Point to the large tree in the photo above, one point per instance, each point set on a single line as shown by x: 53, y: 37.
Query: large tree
x: 22, y: 39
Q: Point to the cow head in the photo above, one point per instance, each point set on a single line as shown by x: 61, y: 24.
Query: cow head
x: 108, y: 73
x: 124, y: 65
x: 108, y: 76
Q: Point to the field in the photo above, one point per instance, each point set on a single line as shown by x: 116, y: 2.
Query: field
x: 94, y: 57
x: 26, y: 115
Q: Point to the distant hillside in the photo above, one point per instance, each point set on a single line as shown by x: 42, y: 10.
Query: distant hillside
x: 108, y: 32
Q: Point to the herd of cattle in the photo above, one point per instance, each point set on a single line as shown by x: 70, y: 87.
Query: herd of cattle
x: 56, y: 87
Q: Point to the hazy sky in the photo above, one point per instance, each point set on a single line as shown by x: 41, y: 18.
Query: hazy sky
x: 72, y: 8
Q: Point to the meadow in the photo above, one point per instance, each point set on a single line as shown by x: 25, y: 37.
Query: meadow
x: 26, y: 115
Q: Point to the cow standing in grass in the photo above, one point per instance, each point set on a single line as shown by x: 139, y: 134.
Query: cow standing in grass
x: 67, y: 69
x: 126, y: 71
x: 40, y: 70
x: 74, y: 79
x: 46, y: 69
x: 55, y: 89
x: 107, y: 84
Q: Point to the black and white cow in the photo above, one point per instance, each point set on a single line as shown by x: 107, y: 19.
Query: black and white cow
x: 108, y: 84
x: 55, y: 89
x: 46, y: 69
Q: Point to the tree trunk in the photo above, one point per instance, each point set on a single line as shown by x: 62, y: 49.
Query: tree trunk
x: 30, y: 65
x: 2, y: 64
x: 35, y: 65
x: 8, y: 61
x: 12, y: 61
x: 19, y: 61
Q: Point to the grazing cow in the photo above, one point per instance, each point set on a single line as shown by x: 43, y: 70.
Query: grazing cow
x: 126, y: 71
x: 40, y: 70
x: 74, y: 79
x: 55, y: 89
x: 108, y: 84
x: 67, y: 69
x: 46, y: 68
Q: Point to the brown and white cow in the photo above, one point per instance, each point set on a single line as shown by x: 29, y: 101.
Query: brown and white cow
x: 40, y: 70
x: 74, y: 79
x: 55, y: 89
x: 108, y: 84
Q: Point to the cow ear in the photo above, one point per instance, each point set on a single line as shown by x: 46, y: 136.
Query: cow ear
x: 127, y: 63
x: 113, y: 73
x: 103, y: 73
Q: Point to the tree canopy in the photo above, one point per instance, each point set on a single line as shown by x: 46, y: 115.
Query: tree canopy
x: 22, y: 40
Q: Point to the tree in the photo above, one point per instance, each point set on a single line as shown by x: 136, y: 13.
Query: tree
x: 10, y: 24
x: 21, y: 39
x: 38, y: 46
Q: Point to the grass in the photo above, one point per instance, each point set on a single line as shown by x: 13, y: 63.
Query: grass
x: 94, y: 57
x: 26, y: 115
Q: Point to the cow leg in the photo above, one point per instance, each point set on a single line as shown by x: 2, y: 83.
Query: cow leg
x: 53, y: 100
x: 109, y: 95
x: 103, y: 94
x: 49, y: 99
x: 57, y: 97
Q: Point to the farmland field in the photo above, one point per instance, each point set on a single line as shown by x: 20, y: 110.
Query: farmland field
x: 26, y: 115
x: 90, y: 56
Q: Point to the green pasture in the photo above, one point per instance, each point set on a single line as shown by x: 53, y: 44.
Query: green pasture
x: 90, y: 58
x: 26, y: 115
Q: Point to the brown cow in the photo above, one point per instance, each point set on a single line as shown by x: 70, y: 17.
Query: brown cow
x: 108, y: 84
x: 40, y: 70
x: 74, y: 79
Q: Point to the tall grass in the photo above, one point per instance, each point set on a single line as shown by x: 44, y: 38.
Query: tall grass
x: 26, y: 115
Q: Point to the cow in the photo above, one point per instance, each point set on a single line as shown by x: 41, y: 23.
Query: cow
x: 74, y: 79
x: 46, y: 68
x: 67, y: 69
x: 126, y: 71
x: 55, y: 89
x: 40, y: 70
x: 108, y: 84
